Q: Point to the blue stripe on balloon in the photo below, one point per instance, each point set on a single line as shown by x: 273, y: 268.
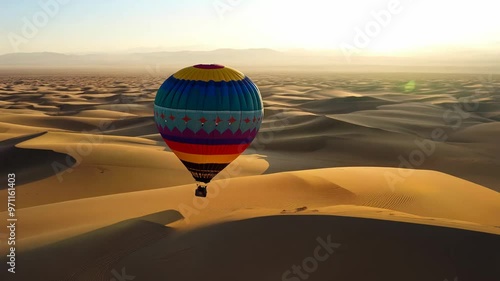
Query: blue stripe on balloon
x: 210, y: 95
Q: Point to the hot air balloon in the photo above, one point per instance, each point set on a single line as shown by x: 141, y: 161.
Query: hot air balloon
x: 208, y: 114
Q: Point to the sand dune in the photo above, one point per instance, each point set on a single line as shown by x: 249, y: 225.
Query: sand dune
x: 363, y: 100
x: 90, y: 165
x: 487, y: 133
x: 386, y: 121
x: 409, y: 118
x: 424, y: 197
x: 98, y: 189
x: 28, y: 165
x: 102, y: 249
x: 275, y: 231
x: 341, y: 105
x: 268, y: 248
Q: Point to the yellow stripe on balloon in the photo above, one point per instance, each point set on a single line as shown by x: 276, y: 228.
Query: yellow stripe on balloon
x: 222, y: 74
x: 203, y: 159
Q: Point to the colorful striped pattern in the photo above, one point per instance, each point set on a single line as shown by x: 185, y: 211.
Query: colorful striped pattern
x: 208, y: 115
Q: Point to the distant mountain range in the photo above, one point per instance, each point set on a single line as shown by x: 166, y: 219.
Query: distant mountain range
x: 260, y: 58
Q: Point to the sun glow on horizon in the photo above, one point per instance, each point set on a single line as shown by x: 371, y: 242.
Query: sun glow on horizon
x: 373, y: 27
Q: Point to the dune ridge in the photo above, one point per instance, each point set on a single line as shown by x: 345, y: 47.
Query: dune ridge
x: 350, y: 156
x: 356, y: 192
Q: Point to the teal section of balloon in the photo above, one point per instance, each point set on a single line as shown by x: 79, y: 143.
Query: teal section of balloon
x: 240, y: 95
x: 208, y: 106
x: 212, y: 120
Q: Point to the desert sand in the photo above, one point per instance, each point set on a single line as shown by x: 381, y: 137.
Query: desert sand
x: 397, y: 173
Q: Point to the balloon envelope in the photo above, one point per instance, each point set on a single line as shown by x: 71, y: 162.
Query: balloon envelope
x: 208, y: 115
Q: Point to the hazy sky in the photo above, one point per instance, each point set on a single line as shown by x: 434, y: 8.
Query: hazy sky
x: 81, y: 26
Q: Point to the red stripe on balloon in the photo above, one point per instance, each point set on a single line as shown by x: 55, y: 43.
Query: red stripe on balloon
x: 208, y: 66
x: 204, y: 149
